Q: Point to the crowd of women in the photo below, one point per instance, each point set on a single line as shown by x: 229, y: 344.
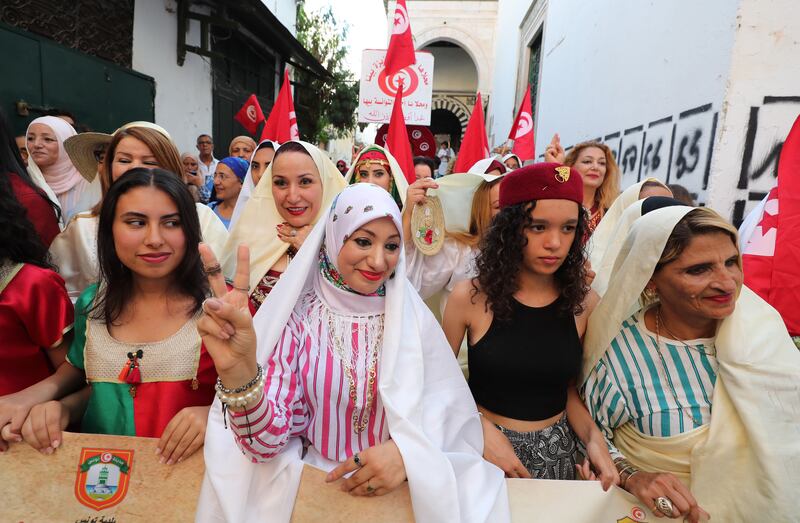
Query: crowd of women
x: 310, y: 317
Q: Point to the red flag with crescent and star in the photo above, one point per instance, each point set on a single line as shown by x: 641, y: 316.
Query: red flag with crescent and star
x: 397, y: 138
x: 475, y: 145
x: 771, y: 256
x: 250, y: 115
x: 281, y: 125
x: 401, y: 46
x: 522, y: 130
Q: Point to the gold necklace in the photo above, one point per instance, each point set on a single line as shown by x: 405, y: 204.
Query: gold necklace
x: 360, y: 418
x: 686, y: 410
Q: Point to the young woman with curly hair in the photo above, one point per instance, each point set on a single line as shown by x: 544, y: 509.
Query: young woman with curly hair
x: 524, y: 316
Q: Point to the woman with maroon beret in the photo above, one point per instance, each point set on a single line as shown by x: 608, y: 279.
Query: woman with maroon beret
x: 524, y: 316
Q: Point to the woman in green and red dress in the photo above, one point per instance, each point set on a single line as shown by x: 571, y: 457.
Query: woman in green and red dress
x: 136, y: 340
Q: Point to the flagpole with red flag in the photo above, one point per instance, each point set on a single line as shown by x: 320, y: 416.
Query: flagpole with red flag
x: 397, y: 138
x: 401, y: 46
x: 281, y: 125
x: 475, y: 145
x: 250, y: 115
x: 522, y: 130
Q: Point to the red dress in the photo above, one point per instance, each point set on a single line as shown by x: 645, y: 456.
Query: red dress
x: 35, y: 312
x: 40, y: 213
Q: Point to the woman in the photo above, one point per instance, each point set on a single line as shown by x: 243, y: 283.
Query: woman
x: 259, y: 162
x: 599, y: 171
x: 136, y: 340
x: 242, y: 147
x: 36, y: 314
x: 512, y: 161
x: 375, y: 165
x: 530, y: 286
x: 408, y: 414
x: 692, y: 377
x: 228, y: 180
x: 299, y: 183
x: 193, y: 180
x: 603, y: 234
x: 137, y: 144
x: 488, y: 166
x: 37, y: 207
x: 50, y: 162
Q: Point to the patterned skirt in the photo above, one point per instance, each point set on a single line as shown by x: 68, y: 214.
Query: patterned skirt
x: 550, y: 453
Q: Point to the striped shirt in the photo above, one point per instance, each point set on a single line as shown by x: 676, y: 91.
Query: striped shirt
x: 307, y: 393
x: 637, y: 380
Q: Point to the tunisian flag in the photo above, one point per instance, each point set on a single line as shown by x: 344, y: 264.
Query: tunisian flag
x: 771, y: 255
x: 250, y: 115
x: 281, y: 125
x: 397, y: 138
x: 522, y: 130
x: 475, y: 145
x: 401, y: 46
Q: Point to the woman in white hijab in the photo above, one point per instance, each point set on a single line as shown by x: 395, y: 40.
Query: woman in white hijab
x: 294, y: 192
x: 259, y: 161
x: 352, y: 361
x: 512, y: 161
x: 692, y: 377
x: 50, y: 163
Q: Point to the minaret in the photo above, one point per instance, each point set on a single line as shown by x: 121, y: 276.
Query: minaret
x: 103, y: 476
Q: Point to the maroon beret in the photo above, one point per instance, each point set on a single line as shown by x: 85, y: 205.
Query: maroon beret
x: 541, y: 181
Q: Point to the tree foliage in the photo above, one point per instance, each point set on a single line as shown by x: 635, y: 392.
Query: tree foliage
x: 326, y: 108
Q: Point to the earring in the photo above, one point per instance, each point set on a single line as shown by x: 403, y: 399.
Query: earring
x: 651, y: 294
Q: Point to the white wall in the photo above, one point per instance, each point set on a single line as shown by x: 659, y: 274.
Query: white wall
x: 617, y: 66
x: 285, y: 11
x: 508, y: 48
x: 183, y: 94
x: 762, y: 101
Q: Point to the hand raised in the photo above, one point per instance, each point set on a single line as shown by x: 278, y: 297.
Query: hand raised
x: 554, y: 152
x: 418, y: 190
x: 226, y: 325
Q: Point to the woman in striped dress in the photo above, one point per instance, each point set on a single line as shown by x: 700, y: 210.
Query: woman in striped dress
x: 696, y: 392
x: 350, y: 374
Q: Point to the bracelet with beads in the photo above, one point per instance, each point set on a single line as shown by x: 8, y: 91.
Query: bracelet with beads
x: 221, y: 389
x: 238, y: 400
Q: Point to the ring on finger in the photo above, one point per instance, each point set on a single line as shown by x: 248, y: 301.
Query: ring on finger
x: 664, y: 505
x: 213, y: 270
x: 370, y: 488
x: 357, y: 460
x: 293, y: 233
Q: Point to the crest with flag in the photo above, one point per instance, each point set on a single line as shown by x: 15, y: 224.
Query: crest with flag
x: 281, y: 125
x: 250, y: 115
x: 771, y: 255
x: 522, y: 130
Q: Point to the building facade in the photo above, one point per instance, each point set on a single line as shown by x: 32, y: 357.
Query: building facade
x: 696, y: 93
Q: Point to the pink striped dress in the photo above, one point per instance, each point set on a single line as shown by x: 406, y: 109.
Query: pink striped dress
x: 308, y: 393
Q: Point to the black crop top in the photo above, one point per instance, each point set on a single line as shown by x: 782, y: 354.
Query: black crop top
x: 520, y: 368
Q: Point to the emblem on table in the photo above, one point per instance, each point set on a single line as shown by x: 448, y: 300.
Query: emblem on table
x: 562, y: 173
x: 637, y: 516
x: 103, y: 477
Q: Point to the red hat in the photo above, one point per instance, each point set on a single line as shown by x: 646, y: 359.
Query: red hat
x: 541, y: 181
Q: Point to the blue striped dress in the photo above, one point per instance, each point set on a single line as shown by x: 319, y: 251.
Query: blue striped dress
x: 631, y: 383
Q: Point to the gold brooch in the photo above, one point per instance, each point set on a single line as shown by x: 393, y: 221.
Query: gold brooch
x: 562, y: 173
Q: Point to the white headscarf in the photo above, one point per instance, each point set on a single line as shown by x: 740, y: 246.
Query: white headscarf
x: 62, y: 175
x: 511, y: 155
x: 256, y: 225
x: 752, y: 446
x: 480, y: 166
x: 430, y: 413
x: 247, y: 185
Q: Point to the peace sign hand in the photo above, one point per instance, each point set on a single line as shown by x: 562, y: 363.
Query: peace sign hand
x: 226, y: 325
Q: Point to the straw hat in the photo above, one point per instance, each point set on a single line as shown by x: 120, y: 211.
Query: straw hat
x: 81, y: 147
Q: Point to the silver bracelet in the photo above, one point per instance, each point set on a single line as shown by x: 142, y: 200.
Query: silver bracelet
x: 224, y: 390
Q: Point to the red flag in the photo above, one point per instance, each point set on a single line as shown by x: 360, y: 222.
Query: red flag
x: 397, y: 138
x: 401, y: 46
x: 771, y: 256
x: 475, y: 145
x: 281, y: 125
x: 522, y: 130
x: 250, y: 115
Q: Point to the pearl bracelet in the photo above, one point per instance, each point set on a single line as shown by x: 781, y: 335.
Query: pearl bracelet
x: 240, y: 399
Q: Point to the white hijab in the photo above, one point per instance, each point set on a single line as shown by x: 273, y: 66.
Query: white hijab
x: 430, y: 412
x: 247, y: 185
x: 748, y: 467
